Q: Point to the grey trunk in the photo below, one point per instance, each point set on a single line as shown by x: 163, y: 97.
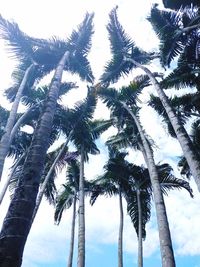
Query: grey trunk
x: 121, y: 225
x: 81, y: 212
x: 5, y: 140
x: 182, y: 136
x: 140, y: 244
x: 44, y: 184
x: 71, y: 248
x: 17, y: 223
x: 167, y: 254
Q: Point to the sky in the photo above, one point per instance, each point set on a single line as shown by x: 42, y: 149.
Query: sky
x: 47, y: 244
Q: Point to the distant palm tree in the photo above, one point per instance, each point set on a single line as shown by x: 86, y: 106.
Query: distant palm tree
x: 83, y: 136
x: 66, y: 198
x: 114, y: 181
x: 139, y: 199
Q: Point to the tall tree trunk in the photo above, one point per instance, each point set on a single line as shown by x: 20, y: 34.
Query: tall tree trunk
x: 5, y: 140
x: 44, y: 184
x: 81, y: 211
x: 17, y: 222
x: 71, y: 248
x: 166, y: 248
x: 140, y: 244
x: 121, y: 225
x: 5, y: 187
x: 182, y: 136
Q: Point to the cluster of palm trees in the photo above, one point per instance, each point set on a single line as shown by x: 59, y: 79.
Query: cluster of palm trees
x: 36, y: 165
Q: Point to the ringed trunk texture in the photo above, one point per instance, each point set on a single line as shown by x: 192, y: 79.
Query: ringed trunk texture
x: 167, y: 254
x: 44, y: 184
x: 81, y: 212
x: 5, y: 140
x: 71, y: 248
x: 182, y: 136
x: 18, y: 220
x: 121, y: 225
x: 140, y: 244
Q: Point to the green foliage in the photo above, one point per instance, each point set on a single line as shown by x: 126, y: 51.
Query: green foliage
x: 121, y: 45
x: 178, y: 33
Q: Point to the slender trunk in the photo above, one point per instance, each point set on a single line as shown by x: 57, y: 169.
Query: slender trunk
x: 17, y: 222
x: 166, y: 248
x: 44, y: 184
x: 140, y: 244
x: 121, y: 225
x: 3, y: 192
x: 71, y: 248
x: 5, y: 140
x: 182, y: 136
x: 81, y: 230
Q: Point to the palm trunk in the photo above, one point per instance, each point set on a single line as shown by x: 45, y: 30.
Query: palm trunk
x: 166, y: 248
x: 81, y: 230
x: 17, y: 222
x: 140, y: 244
x: 5, y: 140
x: 44, y: 184
x: 71, y: 248
x: 4, y: 189
x: 182, y: 136
x: 121, y: 225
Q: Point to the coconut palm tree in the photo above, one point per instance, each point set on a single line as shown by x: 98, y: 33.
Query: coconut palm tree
x: 17, y: 222
x: 125, y: 100
x: 126, y: 56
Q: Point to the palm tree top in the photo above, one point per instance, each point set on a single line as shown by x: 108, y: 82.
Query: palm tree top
x: 121, y: 45
x: 47, y: 52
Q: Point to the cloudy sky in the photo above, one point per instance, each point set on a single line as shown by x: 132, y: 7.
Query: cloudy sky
x: 47, y: 244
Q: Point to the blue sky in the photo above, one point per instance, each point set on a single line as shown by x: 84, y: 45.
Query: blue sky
x: 47, y: 244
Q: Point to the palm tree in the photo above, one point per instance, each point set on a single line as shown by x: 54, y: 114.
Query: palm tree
x: 114, y: 181
x: 125, y: 100
x: 127, y: 56
x: 17, y: 223
x: 139, y: 199
x: 66, y: 198
x: 83, y: 137
x: 25, y: 75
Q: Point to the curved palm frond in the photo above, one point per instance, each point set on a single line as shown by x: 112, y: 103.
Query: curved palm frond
x: 79, y: 44
x: 121, y: 45
x: 63, y: 201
